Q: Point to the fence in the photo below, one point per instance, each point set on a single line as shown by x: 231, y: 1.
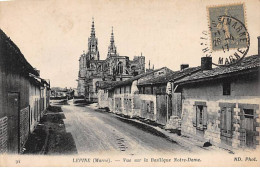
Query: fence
x: 24, y: 126
x: 3, y: 135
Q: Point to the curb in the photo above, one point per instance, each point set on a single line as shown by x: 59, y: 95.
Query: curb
x: 188, y: 142
x: 161, y: 132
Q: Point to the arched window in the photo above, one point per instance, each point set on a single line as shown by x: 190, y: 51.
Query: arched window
x: 120, y: 68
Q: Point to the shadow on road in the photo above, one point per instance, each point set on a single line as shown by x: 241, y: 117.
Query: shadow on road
x: 50, y: 136
x: 146, y: 128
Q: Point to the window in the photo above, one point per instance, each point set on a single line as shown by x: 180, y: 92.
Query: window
x: 249, y: 113
x: 226, y: 88
x: 152, y: 107
x: 120, y: 68
x: 148, y: 108
x: 200, y: 115
x: 226, y: 121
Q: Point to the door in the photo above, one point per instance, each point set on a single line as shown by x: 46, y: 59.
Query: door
x: 169, y: 107
x: 249, y: 127
x: 13, y: 122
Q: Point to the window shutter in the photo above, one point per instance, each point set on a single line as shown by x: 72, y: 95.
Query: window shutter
x: 198, y: 117
x: 194, y: 116
x: 229, y: 120
x: 152, y: 107
x: 222, y: 122
x: 205, y: 117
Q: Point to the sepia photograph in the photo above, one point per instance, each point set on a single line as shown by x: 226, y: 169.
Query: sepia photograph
x: 140, y: 83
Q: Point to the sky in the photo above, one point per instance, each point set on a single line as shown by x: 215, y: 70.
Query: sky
x: 52, y: 34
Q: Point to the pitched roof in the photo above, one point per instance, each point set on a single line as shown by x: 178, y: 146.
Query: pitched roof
x: 129, y: 81
x: 169, y: 76
x: 248, y: 63
x: 15, y: 54
x: 106, y: 84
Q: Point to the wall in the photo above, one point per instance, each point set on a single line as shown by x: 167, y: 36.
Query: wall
x: 103, y: 98
x: 176, y: 103
x: 34, y: 100
x: 13, y: 83
x: 148, y: 106
x: 244, y: 92
x: 81, y: 87
x: 132, y: 104
x: 153, y: 89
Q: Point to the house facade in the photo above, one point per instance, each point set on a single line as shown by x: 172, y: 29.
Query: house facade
x: 125, y: 98
x: 20, y: 102
x: 221, y: 105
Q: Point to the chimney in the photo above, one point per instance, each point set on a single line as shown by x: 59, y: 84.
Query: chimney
x: 38, y: 71
x: 183, y: 66
x: 206, y: 63
x: 258, y: 45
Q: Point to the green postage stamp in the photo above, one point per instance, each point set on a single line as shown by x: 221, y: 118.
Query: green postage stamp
x: 228, y: 27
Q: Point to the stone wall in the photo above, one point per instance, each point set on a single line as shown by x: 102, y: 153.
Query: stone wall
x: 103, y: 99
x: 214, y: 103
x: 148, y: 106
x: 212, y: 132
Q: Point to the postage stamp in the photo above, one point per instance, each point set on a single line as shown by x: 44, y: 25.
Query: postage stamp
x: 228, y: 32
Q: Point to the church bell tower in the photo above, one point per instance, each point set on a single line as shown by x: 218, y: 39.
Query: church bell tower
x: 93, y: 53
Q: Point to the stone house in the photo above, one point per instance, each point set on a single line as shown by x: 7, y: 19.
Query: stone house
x: 161, y: 88
x: 221, y: 104
x: 125, y: 98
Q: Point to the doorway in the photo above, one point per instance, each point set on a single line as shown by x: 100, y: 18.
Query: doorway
x: 249, y: 127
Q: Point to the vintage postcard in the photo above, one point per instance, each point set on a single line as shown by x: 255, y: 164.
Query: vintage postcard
x: 108, y: 83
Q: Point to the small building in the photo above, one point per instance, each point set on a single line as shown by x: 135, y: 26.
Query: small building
x: 20, y: 91
x: 124, y: 98
x: 161, y: 88
x: 221, y: 105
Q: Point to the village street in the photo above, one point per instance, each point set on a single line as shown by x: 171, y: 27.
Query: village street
x: 96, y: 132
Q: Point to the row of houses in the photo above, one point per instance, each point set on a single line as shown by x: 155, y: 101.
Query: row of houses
x: 219, y: 105
x: 24, y: 97
x: 58, y: 93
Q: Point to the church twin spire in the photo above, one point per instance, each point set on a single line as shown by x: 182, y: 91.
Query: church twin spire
x: 93, y: 44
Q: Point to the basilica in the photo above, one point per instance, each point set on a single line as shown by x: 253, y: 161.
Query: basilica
x: 114, y: 68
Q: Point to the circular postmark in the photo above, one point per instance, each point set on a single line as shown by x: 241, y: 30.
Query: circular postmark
x: 229, y: 41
